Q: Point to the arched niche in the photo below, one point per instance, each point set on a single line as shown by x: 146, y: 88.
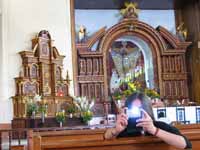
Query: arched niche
x: 141, y: 49
x: 163, y: 52
x: 151, y: 43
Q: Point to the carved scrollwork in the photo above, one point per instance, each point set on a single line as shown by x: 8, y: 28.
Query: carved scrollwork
x: 168, y: 54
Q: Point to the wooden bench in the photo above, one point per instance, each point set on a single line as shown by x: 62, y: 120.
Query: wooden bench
x: 18, y: 147
x: 93, y: 140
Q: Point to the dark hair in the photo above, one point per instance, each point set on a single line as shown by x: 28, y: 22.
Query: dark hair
x: 146, y: 103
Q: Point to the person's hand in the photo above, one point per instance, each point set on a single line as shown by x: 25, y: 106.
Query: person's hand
x: 121, y: 123
x: 146, y: 123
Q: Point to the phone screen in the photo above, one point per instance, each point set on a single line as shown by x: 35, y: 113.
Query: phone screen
x: 133, y: 114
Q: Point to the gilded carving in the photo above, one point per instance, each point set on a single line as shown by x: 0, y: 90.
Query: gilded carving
x: 40, y: 76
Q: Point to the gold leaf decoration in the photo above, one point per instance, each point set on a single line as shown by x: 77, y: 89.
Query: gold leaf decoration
x: 130, y: 10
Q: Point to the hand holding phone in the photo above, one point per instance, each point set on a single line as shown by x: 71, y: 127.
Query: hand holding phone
x: 122, y: 122
x: 146, y: 123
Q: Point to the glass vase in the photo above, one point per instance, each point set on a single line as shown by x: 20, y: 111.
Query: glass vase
x: 43, y: 117
x: 33, y: 115
x: 70, y: 115
x: 61, y: 124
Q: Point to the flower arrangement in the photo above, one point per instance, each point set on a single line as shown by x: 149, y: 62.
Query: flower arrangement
x: 125, y: 89
x: 129, y: 87
x: 36, y: 105
x: 32, y: 105
x: 43, y: 106
x: 84, y: 106
x: 37, y: 98
x: 31, y: 108
x: 87, y: 116
x: 60, y: 116
x: 71, y: 110
x: 151, y: 93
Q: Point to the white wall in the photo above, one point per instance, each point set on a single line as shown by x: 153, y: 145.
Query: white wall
x: 165, y: 18
x: 22, y: 19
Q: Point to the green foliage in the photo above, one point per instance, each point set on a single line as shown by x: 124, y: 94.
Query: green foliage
x: 152, y: 93
x: 125, y: 90
x: 60, y: 116
x: 83, y: 104
x: 71, y: 109
x: 43, y: 108
x: 86, y: 116
x: 31, y: 107
x: 117, y: 95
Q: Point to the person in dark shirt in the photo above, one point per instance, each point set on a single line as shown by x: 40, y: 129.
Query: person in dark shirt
x: 128, y: 127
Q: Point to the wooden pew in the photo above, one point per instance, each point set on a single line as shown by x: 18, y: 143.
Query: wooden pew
x: 11, y: 139
x: 93, y: 140
x: 18, y: 147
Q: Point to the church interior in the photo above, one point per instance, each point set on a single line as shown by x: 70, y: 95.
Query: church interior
x: 69, y: 67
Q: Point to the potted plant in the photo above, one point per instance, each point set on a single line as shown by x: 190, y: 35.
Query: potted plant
x: 43, y: 108
x: 71, y: 110
x: 87, y: 116
x: 60, y: 117
x: 32, y: 105
x: 31, y: 109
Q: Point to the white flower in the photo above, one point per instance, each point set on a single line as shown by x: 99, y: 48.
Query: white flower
x: 91, y: 105
x: 37, y: 98
x: 83, y: 104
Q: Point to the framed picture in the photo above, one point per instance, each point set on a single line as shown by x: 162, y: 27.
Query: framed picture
x: 180, y: 114
x: 197, y: 114
x: 161, y: 113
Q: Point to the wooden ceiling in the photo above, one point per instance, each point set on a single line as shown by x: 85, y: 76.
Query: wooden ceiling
x: 117, y: 4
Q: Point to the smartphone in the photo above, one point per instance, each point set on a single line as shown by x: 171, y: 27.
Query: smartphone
x: 133, y: 114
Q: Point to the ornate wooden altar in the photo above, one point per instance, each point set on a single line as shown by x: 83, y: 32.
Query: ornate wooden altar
x: 168, y: 58
x: 41, y: 74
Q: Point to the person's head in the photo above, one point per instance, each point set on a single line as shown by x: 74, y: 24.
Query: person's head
x: 140, y: 100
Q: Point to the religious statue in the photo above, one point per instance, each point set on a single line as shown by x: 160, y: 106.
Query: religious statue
x: 130, y: 10
x: 81, y: 33
x: 125, y: 60
x: 182, y: 32
x: 114, y: 81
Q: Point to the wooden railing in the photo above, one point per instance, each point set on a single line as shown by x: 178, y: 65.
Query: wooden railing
x: 17, y: 139
x: 87, y: 139
x: 93, y: 140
